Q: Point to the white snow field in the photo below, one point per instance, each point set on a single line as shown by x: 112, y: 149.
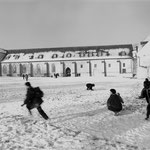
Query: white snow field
x: 79, y: 119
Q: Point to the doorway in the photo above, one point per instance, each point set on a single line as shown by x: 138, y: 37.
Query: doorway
x: 68, y: 72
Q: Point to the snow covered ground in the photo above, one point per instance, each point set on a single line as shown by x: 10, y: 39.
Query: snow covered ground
x: 79, y: 119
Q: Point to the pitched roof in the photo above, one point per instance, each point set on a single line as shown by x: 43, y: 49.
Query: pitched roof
x: 79, y: 48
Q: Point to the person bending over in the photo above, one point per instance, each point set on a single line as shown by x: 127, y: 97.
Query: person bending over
x: 90, y: 86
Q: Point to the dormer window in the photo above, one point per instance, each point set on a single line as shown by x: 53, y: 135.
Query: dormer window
x: 82, y: 54
x: 8, y: 57
x: 90, y: 54
x: 68, y: 55
x: 40, y: 56
x: 107, y: 54
x: 17, y: 56
x: 122, y: 53
x: 54, y: 55
x: 31, y: 57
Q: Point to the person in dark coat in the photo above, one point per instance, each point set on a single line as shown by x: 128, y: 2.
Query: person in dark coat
x: 90, y: 86
x: 34, y: 100
x: 26, y: 76
x: 146, y: 94
x: 114, y: 102
x: 146, y: 85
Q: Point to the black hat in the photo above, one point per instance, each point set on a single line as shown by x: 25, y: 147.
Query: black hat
x: 113, y: 91
x: 27, y: 84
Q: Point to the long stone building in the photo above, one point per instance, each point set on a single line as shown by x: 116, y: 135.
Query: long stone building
x: 109, y: 60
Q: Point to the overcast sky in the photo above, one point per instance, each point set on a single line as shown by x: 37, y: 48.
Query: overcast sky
x: 63, y: 23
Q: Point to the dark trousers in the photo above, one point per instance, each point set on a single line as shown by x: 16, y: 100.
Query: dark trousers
x: 40, y: 110
x: 42, y: 113
x: 148, y: 111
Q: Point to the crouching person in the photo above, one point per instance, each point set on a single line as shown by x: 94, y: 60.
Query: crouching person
x: 90, y: 86
x: 114, y: 102
x: 34, y: 100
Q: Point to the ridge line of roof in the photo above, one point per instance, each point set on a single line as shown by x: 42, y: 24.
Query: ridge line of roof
x: 74, y: 47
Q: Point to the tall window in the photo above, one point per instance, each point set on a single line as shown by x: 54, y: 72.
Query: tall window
x: 95, y: 65
x: 14, y: 68
x: 5, y: 69
x: 53, y: 68
x: 123, y: 64
x: 24, y: 68
x: 38, y: 69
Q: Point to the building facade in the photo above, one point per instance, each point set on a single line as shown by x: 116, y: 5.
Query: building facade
x: 110, y: 60
x: 143, y: 59
x: 3, y: 54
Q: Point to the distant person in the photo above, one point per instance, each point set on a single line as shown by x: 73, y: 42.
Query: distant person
x: 56, y: 75
x: 34, y: 100
x: 90, y: 86
x: 26, y: 76
x: 146, y: 85
x: 114, y: 102
x: 23, y: 76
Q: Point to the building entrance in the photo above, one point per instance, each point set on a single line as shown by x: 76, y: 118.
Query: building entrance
x: 68, y: 72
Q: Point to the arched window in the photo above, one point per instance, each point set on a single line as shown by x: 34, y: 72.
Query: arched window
x: 53, y: 68
x: 24, y: 68
x: 122, y: 53
x: 68, y: 55
x: 31, y: 57
x: 8, y: 56
x: 40, y: 56
x: 4, y: 69
x: 14, y: 69
x: 54, y: 55
x: 90, y: 54
x: 17, y: 56
x: 82, y: 54
x: 38, y: 69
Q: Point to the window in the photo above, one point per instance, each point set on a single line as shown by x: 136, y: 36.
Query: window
x: 53, y: 68
x: 38, y: 69
x: 123, y: 64
x: 109, y: 65
x: 16, y: 56
x: 81, y: 66
x: 5, y: 69
x: 122, y: 53
x: 40, y: 56
x: 7, y: 57
x: 24, y: 68
x: 82, y: 54
x: 55, y: 56
x: 31, y: 57
x: 14, y: 69
x: 90, y: 54
x: 95, y: 65
x: 69, y: 55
